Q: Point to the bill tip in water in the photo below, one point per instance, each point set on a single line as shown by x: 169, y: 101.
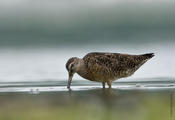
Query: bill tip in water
x: 68, y: 87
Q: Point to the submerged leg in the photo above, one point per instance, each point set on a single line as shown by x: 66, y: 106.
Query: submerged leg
x: 103, y: 83
x: 109, y: 83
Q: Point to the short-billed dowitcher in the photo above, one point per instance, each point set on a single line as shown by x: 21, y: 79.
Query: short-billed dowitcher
x: 105, y: 67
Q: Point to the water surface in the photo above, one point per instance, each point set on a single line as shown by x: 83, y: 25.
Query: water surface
x: 136, y: 100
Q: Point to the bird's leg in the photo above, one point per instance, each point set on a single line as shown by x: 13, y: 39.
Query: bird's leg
x: 103, y: 83
x: 109, y: 83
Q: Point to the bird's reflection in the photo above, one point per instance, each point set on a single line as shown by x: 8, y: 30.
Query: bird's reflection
x: 70, y: 92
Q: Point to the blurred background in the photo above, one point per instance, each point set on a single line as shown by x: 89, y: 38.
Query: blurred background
x: 37, y: 37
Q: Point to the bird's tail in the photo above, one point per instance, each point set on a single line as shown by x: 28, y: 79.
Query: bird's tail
x: 148, y: 55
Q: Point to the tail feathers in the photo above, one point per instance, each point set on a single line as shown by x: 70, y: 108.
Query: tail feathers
x: 148, y: 55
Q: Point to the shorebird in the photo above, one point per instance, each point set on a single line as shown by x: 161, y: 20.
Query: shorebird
x: 105, y: 67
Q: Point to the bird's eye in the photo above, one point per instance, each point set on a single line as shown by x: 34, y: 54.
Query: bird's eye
x: 72, y: 66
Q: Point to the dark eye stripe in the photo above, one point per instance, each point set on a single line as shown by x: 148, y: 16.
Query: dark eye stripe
x: 72, y: 66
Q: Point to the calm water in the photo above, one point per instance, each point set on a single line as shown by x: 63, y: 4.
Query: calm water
x: 87, y: 100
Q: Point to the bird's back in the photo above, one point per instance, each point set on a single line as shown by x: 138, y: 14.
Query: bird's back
x: 111, y: 66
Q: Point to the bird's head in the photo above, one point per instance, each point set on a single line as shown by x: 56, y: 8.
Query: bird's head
x: 72, y: 66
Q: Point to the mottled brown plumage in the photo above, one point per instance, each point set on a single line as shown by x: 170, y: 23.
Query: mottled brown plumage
x: 105, y: 67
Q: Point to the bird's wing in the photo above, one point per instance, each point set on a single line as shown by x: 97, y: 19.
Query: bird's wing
x: 98, y: 64
x: 111, y: 61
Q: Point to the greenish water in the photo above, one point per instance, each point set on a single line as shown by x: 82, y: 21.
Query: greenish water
x: 135, y: 100
x: 128, y: 101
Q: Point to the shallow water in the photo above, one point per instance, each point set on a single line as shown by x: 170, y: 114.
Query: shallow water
x: 151, y: 84
x: 134, y: 100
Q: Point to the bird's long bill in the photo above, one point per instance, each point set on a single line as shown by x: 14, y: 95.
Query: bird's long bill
x: 69, y: 81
